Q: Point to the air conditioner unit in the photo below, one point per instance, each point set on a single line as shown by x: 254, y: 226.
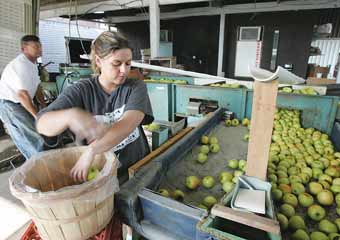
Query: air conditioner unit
x: 249, y: 33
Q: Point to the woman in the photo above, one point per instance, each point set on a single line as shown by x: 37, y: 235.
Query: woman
x: 108, y: 98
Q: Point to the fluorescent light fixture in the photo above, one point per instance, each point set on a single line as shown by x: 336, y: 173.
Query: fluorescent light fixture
x: 99, y: 12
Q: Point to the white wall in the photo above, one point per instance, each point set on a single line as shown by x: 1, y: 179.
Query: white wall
x: 12, y: 29
x: 52, y: 34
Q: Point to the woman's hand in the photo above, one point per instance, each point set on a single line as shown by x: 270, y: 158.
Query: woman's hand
x: 80, y: 170
x: 83, y: 125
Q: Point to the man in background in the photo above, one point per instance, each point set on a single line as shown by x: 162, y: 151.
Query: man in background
x: 19, y: 84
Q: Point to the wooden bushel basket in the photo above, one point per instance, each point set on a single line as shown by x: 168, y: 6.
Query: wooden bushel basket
x: 61, y: 209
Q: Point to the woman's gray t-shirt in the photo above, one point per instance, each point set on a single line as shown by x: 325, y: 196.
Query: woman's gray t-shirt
x: 109, y: 108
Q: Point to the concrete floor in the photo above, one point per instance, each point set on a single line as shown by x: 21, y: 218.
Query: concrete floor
x: 14, y: 218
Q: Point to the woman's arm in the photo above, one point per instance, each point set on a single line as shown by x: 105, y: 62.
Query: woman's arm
x: 117, y: 133
x: 81, y: 123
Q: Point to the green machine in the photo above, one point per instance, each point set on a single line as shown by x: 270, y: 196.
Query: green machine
x: 72, y: 73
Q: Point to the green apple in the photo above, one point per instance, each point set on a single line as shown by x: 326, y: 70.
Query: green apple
x: 327, y: 226
x: 233, y: 163
x: 225, y: 177
x: 325, y: 177
x: 334, y: 236
x: 246, y: 137
x: 333, y: 172
x: 164, y: 192
x: 287, y: 210
x: 290, y: 199
x: 281, y: 174
x: 285, y: 188
x: 325, y: 184
x: 272, y: 178
x: 153, y: 127
x: 297, y: 188
x: 93, y: 172
x: 317, y: 172
x: 228, y: 186
x: 315, y: 188
x: 296, y: 222
x: 335, y: 189
x: 213, y: 140
x: 234, y: 180
x: 235, y: 122
x: 238, y: 173
x: 325, y: 197
x: 336, y: 181
x: 245, y: 122
x: 308, y: 171
x: 277, y: 194
x: 316, y: 212
x: 283, y: 180
x: 338, y: 210
x: 337, y: 222
x: 305, y: 199
x: 300, y: 235
x: 202, y: 158
x: 208, y: 181
x: 178, y: 195
x: 283, y: 221
x: 337, y: 199
x: 228, y: 122
x: 192, y: 182
x: 209, y: 201
x: 204, y: 139
x: 293, y: 171
x: 214, y: 148
x: 318, y: 164
x: 304, y: 178
x: 204, y: 149
x: 242, y: 164
x: 318, y: 236
x: 202, y: 206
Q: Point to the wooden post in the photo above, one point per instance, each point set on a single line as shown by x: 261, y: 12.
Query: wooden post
x: 262, y: 120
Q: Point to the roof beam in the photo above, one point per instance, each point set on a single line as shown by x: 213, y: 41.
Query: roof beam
x: 235, y: 9
x: 59, y: 9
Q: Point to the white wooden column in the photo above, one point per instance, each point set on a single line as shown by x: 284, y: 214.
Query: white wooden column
x: 154, y: 27
x: 221, y: 46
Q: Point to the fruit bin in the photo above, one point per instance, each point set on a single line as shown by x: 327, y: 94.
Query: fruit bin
x: 152, y: 213
x: 215, y: 227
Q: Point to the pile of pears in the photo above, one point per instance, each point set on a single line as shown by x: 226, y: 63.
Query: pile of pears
x: 304, y: 171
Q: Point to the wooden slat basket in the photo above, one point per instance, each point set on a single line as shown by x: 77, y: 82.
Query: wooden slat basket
x: 61, y: 208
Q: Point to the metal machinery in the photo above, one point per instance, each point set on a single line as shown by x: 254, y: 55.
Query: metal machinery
x: 71, y: 73
x: 153, y: 215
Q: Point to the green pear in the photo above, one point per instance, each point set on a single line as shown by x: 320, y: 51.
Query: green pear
x: 277, y: 194
x: 315, y: 188
x: 283, y: 220
x: 204, y: 139
x: 204, y: 149
x: 327, y: 226
x: 164, y: 192
x: 318, y: 236
x: 317, y: 172
x: 316, y: 212
x: 325, y: 197
x: 297, y: 188
x: 300, y: 235
x: 296, y: 222
x: 305, y: 199
x: 287, y: 210
x: 290, y: 199
x: 334, y: 236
